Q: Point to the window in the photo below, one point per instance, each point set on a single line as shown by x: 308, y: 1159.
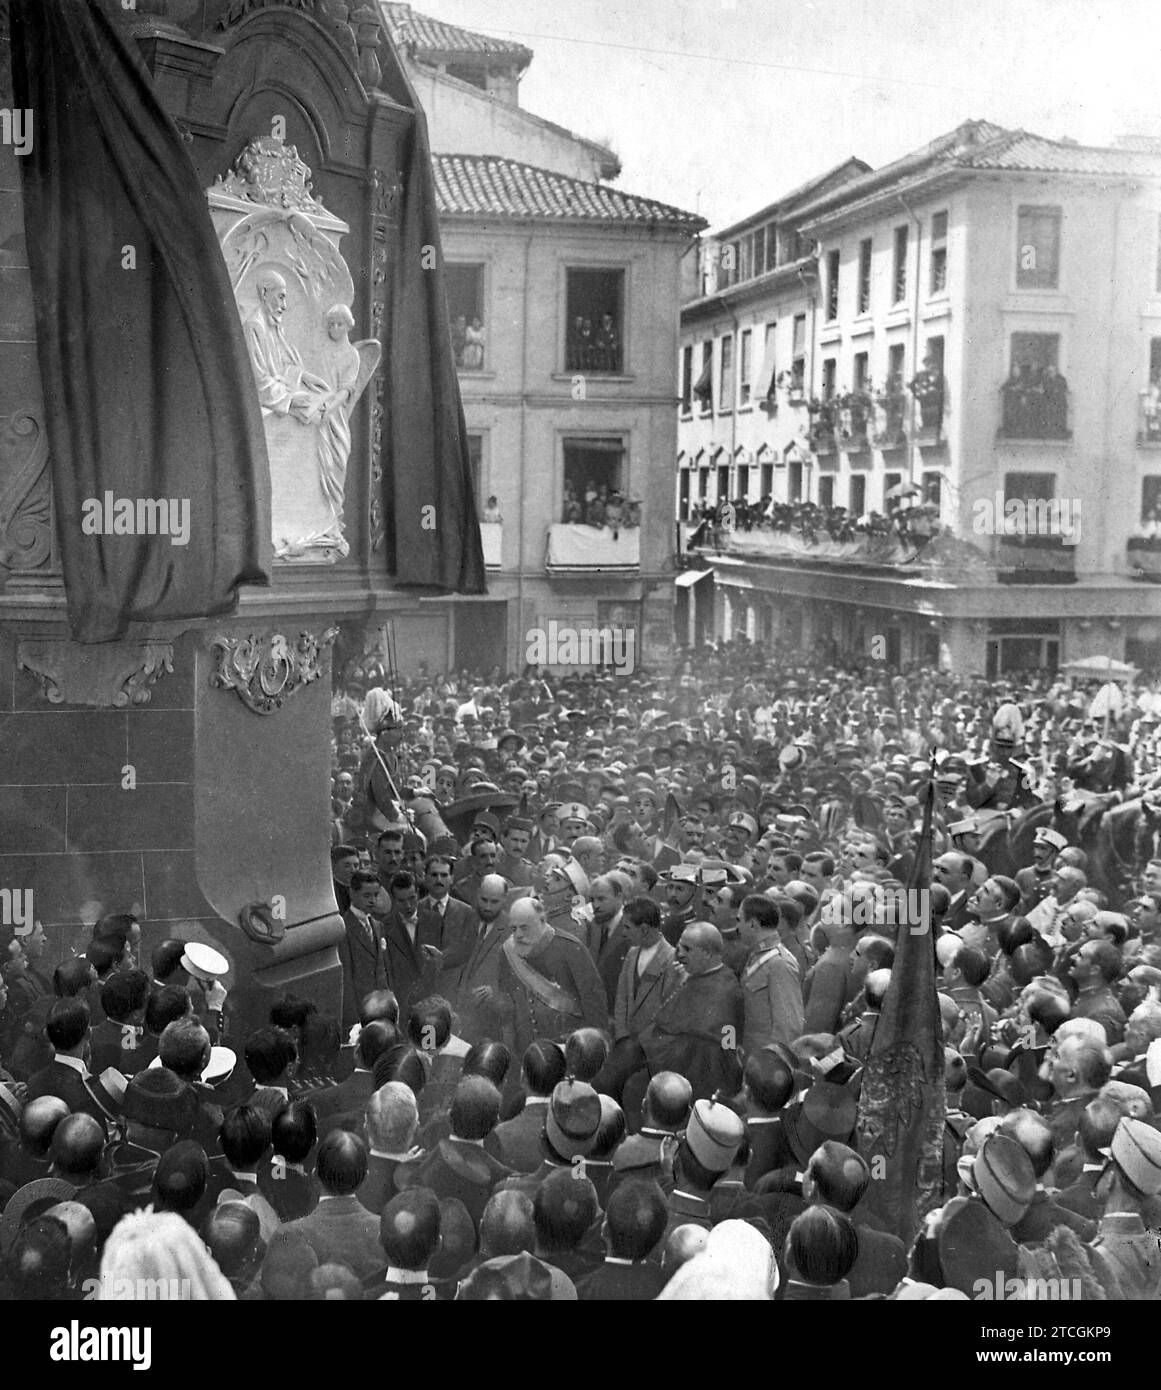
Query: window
x: 938, y: 253
x: 759, y: 253
x: 745, y: 345
x: 865, y: 276
x: 829, y: 376
x: 1035, y: 396
x: 1155, y: 359
x: 832, y: 286
x: 1151, y: 503
x: 767, y: 479
x: 475, y: 459
x: 933, y: 489
x: 770, y: 362
x: 465, y: 314
x: 826, y: 491
x: 687, y: 379
x: 744, y: 481
x: 1151, y: 396
x: 593, y: 470
x: 726, y: 375
x: 595, y: 316
x: 1029, y: 487
x: 703, y: 388
x: 896, y: 360
x: 899, y: 272
x: 890, y: 482
x: 1038, y: 248
x: 858, y: 505
x: 794, y: 480
x: 746, y: 258
x: 933, y: 355
x: 772, y: 246
x: 862, y: 372
x: 798, y: 354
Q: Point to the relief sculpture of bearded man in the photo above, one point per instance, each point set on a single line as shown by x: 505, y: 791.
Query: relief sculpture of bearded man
x: 308, y: 472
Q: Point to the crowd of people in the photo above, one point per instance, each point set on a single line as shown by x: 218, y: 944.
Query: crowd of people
x: 813, y: 523
x: 599, y: 507
x: 615, y: 956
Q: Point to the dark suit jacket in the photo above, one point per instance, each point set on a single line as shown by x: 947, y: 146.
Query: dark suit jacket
x: 687, y: 1035
x: 450, y: 929
x: 107, y: 1049
x: 292, y: 1195
x: 378, y: 1186
x: 410, y: 974
x: 364, y: 965
x: 608, y: 958
x: 519, y: 1138
x: 616, y: 1283
x: 482, y: 967
x: 637, y: 1001
x: 881, y: 1263
x: 341, y: 1230
x: 335, y: 1103
x: 769, y: 1149
x: 59, y: 1079
x: 455, y: 1169
x: 1043, y: 1217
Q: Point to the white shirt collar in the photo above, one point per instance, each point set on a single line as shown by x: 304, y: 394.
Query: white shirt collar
x: 647, y: 953
x: 74, y: 1062
x: 406, y: 1276
x: 395, y: 1158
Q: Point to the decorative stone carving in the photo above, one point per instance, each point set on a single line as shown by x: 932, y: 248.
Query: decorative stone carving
x: 110, y: 675
x: 368, y: 35
x: 25, y: 494
x: 294, y: 291
x: 388, y: 191
x: 241, y: 8
x: 264, y: 671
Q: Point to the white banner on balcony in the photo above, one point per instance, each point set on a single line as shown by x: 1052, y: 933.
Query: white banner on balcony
x: 577, y: 549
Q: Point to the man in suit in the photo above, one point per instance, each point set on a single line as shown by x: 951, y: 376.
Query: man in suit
x: 519, y: 1138
x: 481, y: 862
x: 697, y: 1032
x: 460, y: 1166
x: 836, y: 1176
x: 770, y: 981
x: 341, y: 1230
x: 649, y: 974
x: 473, y: 963
x: 1098, y: 1123
x: 363, y: 949
x: 635, y: 1220
x: 116, y: 1040
x: 444, y: 920
x: 334, y: 1105
x: 648, y: 1154
x: 390, y: 1128
x: 954, y: 872
x: 67, y: 1030
x: 606, y: 936
x: 412, y: 959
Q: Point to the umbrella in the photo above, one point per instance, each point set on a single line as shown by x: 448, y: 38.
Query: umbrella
x: 902, y: 490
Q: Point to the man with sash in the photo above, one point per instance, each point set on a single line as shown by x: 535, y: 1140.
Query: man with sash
x: 548, y: 983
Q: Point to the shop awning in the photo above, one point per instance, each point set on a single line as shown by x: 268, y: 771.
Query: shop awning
x: 688, y: 578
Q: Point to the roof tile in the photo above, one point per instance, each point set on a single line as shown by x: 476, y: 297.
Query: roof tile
x: 422, y: 32
x: 487, y: 186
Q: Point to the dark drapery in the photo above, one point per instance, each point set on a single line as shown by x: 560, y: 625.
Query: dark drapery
x: 148, y: 388
x: 433, y: 536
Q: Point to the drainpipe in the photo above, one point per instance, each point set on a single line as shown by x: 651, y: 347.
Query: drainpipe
x: 914, y: 319
x: 523, y: 455
x: 913, y: 448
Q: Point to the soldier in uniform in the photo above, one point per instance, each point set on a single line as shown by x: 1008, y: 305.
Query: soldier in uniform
x: 548, y: 984
x: 1003, y: 782
x: 511, y: 862
x: 1123, y: 1246
x: 1036, y: 881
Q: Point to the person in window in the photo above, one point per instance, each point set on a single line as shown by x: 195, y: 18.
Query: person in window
x: 608, y: 345
x: 459, y: 337
x: 474, y: 347
x: 615, y: 514
x: 492, y: 511
x: 594, y: 509
x: 1152, y: 404
x: 573, y: 511
x: 1054, y: 390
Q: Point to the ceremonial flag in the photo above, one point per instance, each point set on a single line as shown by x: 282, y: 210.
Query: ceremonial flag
x: 901, y: 1103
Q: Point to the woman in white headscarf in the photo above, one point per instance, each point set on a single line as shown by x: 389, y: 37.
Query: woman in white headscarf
x: 158, y: 1255
x: 737, y: 1265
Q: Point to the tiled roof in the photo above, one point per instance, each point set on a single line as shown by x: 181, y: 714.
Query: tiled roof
x: 982, y: 145
x: 422, y: 33
x: 469, y: 185
x: 1032, y: 152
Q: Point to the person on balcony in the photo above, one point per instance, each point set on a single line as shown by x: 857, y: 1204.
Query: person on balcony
x: 1054, y: 390
x: 492, y: 513
x: 473, y: 350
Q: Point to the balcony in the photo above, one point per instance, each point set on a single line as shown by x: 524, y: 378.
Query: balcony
x: 1034, y: 560
x: 928, y: 388
x: 1035, y: 405
x: 823, y: 420
x: 888, y: 430
x: 492, y: 539
x: 1144, y: 557
x: 854, y: 416
x: 574, y: 548
x: 1149, y: 418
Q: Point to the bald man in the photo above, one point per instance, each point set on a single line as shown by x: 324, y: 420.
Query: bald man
x: 548, y: 984
x: 697, y: 1031
x: 471, y: 963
